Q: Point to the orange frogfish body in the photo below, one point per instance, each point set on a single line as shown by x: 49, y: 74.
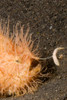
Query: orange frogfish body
x: 15, y: 60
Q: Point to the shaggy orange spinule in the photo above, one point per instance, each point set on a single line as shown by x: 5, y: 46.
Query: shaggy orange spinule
x: 15, y: 61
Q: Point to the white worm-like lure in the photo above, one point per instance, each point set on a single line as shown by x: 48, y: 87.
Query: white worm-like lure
x: 54, y: 56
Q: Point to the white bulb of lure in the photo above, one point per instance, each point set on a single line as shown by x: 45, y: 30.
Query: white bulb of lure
x: 54, y: 56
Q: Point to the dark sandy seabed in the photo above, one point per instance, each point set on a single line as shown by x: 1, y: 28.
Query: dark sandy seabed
x: 47, y: 21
